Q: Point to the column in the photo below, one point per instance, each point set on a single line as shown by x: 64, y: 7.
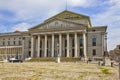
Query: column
x: 68, y: 45
x: 38, y: 52
x: 24, y: 48
x: 75, y: 45
x: 53, y: 39
x: 45, y: 48
x: 32, y: 46
x: 84, y: 46
x: 102, y: 35
x: 60, y: 44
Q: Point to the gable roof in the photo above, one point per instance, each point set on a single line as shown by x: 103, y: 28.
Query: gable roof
x: 54, y: 20
x: 62, y: 18
x: 66, y: 11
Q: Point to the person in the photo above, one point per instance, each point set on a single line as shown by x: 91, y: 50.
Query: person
x: 112, y: 62
x: 99, y: 63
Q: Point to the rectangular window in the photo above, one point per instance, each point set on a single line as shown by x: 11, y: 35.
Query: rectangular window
x: 81, y: 42
x: 93, y: 41
x: 14, y: 43
x: 47, y: 43
x: 3, y: 43
x: 81, y: 52
x: 65, y: 43
x: 40, y: 44
x: 8, y: 43
x: 73, y: 42
x: 20, y: 43
x: 73, y: 53
x: 94, y: 52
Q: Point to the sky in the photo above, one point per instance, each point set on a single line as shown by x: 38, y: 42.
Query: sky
x: 24, y: 14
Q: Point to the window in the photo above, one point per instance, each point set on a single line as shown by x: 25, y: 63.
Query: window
x: 20, y: 43
x: 47, y: 43
x: 94, y: 41
x: 40, y: 44
x: 94, y: 52
x: 65, y: 52
x: 14, y: 43
x: 8, y: 43
x: 72, y: 42
x: 119, y: 46
x: 61, y: 25
x: 56, y: 23
x: 81, y: 52
x: 94, y: 30
x: 3, y: 43
x: 65, y: 43
x: 81, y: 42
x: 73, y: 53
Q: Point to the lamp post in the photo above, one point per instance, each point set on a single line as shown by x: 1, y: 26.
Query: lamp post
x: 58, y: 55
x: 6, y: 53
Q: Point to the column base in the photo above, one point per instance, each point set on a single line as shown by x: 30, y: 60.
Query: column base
x: 86, y: 59
x: 57, y: 59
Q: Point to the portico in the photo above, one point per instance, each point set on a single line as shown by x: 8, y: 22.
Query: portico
x: 69, y: 44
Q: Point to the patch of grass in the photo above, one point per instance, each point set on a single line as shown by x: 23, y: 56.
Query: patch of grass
x: 105, y: 71
x: 14, y: 78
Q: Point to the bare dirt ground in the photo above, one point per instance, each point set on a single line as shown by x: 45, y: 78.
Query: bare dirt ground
x: 56, y: 71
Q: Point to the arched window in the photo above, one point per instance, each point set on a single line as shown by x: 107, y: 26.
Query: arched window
x: 94, y: 41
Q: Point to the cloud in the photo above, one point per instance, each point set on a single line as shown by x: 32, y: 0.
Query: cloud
x: 82, y: 3
x: 28, y: 9
x: 3, y: 28
x: 21, y: 27
x: 111, y: 18
x: 113, y: 38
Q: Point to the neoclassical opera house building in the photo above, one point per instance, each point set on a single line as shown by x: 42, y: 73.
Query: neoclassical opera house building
x: 68, y: 34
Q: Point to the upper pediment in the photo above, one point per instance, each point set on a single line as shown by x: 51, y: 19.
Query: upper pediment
x: 74, y: 17
x: 68, y: 16
x: 65, y: 19
x: 56, y: 23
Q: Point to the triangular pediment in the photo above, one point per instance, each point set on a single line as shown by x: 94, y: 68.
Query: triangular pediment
x: 65, y: 19
x: 74, y: 17
x: 56, y: 23
x: 68, y: 15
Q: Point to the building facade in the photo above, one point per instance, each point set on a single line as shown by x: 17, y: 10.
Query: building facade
x: 66, y: 34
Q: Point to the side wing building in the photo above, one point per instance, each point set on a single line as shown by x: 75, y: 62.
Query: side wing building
x: 68, y: 34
